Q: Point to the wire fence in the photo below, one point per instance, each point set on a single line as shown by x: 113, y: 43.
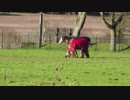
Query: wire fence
x: 120, y: 43
x: 50, y: 36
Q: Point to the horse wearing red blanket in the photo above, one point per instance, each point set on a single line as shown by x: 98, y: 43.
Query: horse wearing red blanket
x: 74, y: 43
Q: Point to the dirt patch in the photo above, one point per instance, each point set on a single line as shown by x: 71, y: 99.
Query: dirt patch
x: 26, y: 23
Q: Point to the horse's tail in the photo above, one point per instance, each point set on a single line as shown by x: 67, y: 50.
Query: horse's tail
x: 89, y: 40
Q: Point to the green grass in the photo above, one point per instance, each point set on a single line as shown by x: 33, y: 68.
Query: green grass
x: 47, y: 66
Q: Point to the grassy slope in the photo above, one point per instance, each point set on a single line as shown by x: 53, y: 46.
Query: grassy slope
x: 46, y: 66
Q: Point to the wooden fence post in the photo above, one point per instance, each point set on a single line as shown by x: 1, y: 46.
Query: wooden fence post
x: 40, y: 32
x: 57, y: 34
x: 96, y: 44
x: 71, y: 31
x: 2, y: 41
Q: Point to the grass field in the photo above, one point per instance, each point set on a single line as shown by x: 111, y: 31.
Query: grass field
x: 47, y: 67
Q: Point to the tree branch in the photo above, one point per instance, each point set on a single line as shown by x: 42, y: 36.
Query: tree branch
x: 119, y: 19
x: 104, y: 20
x: 113, y: 18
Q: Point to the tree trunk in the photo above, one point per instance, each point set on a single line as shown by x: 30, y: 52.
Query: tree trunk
x: 112, y: 28
x: 113, y: 40
x: 79, y: 23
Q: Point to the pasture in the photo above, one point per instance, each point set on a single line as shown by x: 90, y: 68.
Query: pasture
x: 48, y: 67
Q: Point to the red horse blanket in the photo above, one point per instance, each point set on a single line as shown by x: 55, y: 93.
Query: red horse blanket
x: 78, y: 43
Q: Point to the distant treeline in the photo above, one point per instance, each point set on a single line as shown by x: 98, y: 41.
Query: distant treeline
x: 72, y: 13
x: 68, y: 13
x: 75, y: 13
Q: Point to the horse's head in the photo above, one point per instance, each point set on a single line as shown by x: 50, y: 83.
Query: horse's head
x: 64, y: 39
x: 61, y: 40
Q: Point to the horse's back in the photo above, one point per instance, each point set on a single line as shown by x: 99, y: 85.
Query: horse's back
x: 87, y: 38
x: 79, y: 43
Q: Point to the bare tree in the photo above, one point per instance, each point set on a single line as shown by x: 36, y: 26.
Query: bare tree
x: 124, y: 25
x: 115, y: 21
x: 79, y: 23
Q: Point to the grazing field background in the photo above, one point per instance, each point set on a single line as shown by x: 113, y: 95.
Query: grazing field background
x: 22, y: 29
x: 48, y: 67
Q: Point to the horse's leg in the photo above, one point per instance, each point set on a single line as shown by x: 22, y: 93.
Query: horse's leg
x: 81, y: 53
x: 72, y: 54
x: 67, y: 54
x: 75, y: 54
x: 86, y: 53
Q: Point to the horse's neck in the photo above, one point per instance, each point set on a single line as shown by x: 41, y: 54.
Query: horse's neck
x: 69, y: 39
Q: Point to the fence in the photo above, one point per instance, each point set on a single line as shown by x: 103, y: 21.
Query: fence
x: 107, y: 40
x: 50, y: 36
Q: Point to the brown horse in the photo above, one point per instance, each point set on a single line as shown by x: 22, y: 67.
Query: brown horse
x: 76, y: 43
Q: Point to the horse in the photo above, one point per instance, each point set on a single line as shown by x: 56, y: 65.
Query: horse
x: 74, y: 43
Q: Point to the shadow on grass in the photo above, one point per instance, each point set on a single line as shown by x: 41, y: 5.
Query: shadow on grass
x: 44, y: 45
x: 125, y: 48
x: 107, y: 57
x: 93, y: 44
